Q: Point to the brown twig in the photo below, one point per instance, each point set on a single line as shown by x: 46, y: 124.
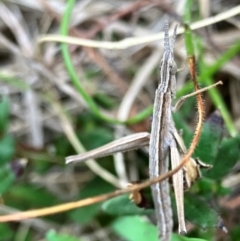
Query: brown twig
x: 85, y: 202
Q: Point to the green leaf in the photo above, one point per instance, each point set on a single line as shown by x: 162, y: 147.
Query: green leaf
x: 135, y: 229
x: 96, y: 137
x: 235, y: 233
x: 199, y: 212
x: 6, y: 178
x: 138, y: 229
x: 6, y: 232
x: 207, y: 187
x: 26, y: 196
x: 207, y: 148
x: 191, y: 239
x: 4, y: 113
x: 122, y: 205
x: 86, y: 214
x: 63, y: 146
x: 228, y: 155
x: 53, y: 236
x: 7, y: 148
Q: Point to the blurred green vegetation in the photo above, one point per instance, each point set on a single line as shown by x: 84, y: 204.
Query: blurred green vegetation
x: 94, y: 129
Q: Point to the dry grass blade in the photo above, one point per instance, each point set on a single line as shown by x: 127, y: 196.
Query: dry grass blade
x: 128, y: 42
x: 123, y: 144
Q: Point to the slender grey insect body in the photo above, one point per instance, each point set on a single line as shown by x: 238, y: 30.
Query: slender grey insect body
x: 162, y: 139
